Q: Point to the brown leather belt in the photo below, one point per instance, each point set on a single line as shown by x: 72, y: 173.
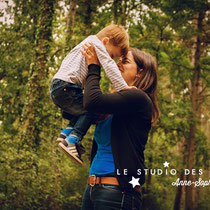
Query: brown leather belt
x: 93, y: 180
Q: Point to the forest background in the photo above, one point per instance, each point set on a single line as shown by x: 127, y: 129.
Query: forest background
x: 35, y: 35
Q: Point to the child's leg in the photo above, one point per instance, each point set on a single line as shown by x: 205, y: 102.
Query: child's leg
x: 72, y: 122
x: 80, y: 128
x: 72, y: 146
x: 69, y: 97
x: 65, y: 95
x: 66, y: 131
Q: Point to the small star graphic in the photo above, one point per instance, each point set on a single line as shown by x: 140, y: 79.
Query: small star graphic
x: 166, y: 164
x: 134, y: 181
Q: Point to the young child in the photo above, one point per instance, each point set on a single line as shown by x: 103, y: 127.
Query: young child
x: 68, y: 83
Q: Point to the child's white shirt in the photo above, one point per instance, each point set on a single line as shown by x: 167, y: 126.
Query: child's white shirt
x: 74, y: 68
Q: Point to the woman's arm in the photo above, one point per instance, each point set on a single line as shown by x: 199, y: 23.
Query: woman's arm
x: 122, y: 102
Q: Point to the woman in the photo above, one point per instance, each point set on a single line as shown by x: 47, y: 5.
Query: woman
x: 119, y: 140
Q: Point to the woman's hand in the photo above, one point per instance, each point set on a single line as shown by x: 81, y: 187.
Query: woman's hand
x: 90, y: 54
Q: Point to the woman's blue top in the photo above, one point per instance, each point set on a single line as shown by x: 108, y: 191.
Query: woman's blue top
x: 103, y: 162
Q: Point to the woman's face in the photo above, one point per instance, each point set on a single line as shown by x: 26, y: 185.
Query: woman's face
x: 128, y: 68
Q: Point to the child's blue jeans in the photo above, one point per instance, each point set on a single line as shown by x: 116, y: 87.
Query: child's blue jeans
x: 69, y: 97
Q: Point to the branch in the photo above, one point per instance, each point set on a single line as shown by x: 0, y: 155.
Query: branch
x: 200, y: 93
x: 56, y: 53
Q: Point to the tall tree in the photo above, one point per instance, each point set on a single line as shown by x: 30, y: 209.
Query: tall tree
x: 31, y: 123
x: 121, y: 9
x: 194, y: 15
x: 191, y: 199
x: 70, y: 21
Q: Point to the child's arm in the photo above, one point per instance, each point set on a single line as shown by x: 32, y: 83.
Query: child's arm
x: 110, y: 67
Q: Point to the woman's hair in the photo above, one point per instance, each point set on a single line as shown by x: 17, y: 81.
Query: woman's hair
x: 147, y: 80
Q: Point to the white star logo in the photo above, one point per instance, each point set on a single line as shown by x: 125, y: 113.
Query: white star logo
x: 134, y: 181
x: 166, y: 164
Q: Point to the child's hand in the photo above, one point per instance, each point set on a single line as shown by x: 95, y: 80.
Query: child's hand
x: 90, y: 54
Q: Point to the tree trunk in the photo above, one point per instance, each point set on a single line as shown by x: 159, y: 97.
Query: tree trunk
x: 148, y: 183
x: 190, y: 199
x: 181, y: 147
x: 70, y: 22
x: 178, y: 198
x: 88, y: 16
x: 149, y: 176
x: 121, y: 11
x: 124, y: 13
x: 116, y: 6
x: 31, y: 124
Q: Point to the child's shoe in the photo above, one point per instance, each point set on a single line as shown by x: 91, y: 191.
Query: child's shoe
x: 64, y: 133
x: 72, y: 149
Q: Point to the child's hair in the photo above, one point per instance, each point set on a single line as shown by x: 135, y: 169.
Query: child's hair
x: 117, y: 36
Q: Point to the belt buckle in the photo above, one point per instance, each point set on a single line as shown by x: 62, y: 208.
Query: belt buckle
x: 92, y: 185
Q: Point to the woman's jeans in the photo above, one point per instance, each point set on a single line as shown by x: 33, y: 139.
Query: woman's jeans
x: 107, y: 197
x: 69, y: 97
